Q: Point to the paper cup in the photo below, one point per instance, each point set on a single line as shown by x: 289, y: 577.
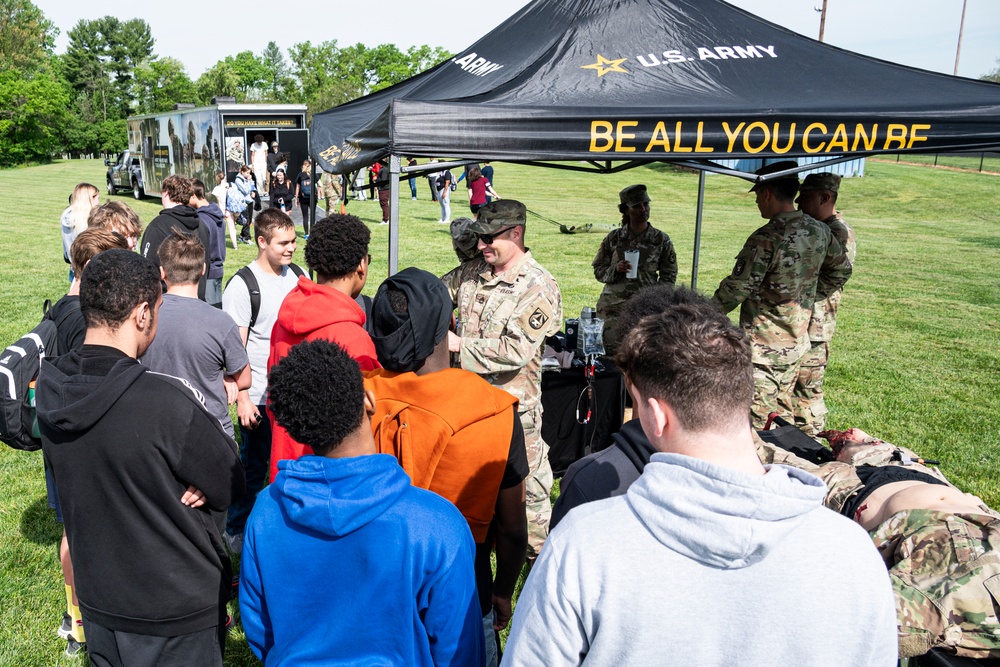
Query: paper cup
x: 632, y: 257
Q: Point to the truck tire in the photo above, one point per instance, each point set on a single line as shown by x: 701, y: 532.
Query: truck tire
x: 111, y: 187
x: 136, y: 189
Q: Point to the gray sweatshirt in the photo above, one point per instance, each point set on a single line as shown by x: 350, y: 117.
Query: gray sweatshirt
x: 699, y: 564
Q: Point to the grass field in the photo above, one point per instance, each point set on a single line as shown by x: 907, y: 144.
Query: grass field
x: 916, y: 359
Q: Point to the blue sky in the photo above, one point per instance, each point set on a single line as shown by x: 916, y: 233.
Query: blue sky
x: 920, y: 33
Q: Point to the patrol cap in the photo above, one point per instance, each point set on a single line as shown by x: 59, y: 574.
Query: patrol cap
x: 463, y: 240
x: 499, y: 214
x: 775, y: 167
x: 822, y: 181
x: 634, y: 195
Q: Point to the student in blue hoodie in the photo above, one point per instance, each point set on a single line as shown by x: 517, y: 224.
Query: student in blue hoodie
x: 343, y: 560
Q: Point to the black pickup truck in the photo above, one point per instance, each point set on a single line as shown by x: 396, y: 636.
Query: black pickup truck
x: 125, y: 174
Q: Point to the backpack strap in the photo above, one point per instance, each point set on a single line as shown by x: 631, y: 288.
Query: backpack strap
x: 253, y: 287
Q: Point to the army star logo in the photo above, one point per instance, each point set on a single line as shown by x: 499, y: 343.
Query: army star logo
x: 538, y: 319
x: 603, y: 65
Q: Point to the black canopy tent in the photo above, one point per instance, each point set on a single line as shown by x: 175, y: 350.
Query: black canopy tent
x: 612, y: 84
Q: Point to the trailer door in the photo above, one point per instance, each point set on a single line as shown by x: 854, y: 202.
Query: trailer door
x: 296, y: 144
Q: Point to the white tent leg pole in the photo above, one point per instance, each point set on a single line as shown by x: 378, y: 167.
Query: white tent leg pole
x: 697, y: 229
x: 393, y: 214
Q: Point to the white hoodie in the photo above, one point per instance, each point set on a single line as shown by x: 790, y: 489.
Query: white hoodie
x: 703, y: 565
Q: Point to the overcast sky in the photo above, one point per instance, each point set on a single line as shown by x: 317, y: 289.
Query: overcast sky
x: 920, y: 33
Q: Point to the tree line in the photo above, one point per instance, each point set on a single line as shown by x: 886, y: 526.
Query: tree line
x: 78, y: 102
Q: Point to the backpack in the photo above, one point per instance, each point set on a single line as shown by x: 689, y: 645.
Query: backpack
x: 254, y: 288
x: 19, y: 365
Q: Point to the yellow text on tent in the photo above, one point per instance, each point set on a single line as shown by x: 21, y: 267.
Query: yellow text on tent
x: 757, y: 136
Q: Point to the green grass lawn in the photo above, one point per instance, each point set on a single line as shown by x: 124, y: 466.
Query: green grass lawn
x: 915, y: 360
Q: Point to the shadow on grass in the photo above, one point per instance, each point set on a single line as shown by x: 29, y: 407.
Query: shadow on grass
x: 984, y: 241
x: 39, y: 525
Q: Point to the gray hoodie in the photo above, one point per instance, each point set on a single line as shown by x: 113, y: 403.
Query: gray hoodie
x: 699, y: 564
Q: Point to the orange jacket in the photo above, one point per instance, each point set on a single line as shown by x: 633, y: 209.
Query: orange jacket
x: 450, y: 431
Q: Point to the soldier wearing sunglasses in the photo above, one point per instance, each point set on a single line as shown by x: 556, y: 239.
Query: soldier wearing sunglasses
x: 507, y: 305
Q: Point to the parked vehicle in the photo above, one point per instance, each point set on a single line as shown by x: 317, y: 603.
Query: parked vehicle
x: 198, y: 142
x: 125, y: 174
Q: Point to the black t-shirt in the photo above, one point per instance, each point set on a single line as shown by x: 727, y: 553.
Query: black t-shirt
x: 382, y: 180
x: 304, y: 181
x: 517, y: 458
x: 272, y: 160
x: 444, y: 179
x: 514, y: 473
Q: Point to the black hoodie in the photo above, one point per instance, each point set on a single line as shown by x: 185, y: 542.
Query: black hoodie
x: 124, y: 443
x: 186, y: 220
x: 604, y: 474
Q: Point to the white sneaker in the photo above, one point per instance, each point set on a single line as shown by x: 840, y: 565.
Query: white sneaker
x: 384, y: 222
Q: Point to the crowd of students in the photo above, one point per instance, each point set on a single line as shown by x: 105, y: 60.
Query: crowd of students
x: 394, y: 476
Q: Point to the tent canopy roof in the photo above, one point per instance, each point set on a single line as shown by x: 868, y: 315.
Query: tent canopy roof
x: 654, y: 80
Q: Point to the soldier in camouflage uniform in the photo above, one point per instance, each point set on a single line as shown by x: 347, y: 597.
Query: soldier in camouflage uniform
x: 941, y: 547
x: 782, y: 269
x: 657, y: 260
x: 331, y: 191
x: 818, y: 199
x: 507, y: 305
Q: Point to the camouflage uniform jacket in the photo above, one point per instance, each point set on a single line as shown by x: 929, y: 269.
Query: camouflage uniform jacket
x: 824, y: 315
x: 657, y: 260
x: 503, y: 320
x: 782, y: 269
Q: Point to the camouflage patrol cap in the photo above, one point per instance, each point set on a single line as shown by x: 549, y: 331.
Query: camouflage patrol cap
x: 463, y: 240
x: 822, y: 181
x: 775, y: 167
x: 634, y: 195
x: 499, y: 214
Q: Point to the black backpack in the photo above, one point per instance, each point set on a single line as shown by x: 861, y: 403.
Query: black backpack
x: 19, y: 365
x: 254, y: 288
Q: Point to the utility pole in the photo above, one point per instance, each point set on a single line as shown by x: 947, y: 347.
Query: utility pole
x: 961, y: 27
x: 822, y: 19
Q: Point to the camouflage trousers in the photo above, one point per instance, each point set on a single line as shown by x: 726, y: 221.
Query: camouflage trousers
x: 944, y: 567
x: 772, y: 392
x: 945, y: 571
x: 331, y: 191
x: 808, y: 406
x: 538, y: 484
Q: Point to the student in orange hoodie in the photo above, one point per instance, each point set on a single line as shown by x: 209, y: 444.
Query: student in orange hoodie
x: 337, y: 252
x: 451, y: 431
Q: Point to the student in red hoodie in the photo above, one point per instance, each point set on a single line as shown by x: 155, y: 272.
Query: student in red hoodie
x: 337, y: 252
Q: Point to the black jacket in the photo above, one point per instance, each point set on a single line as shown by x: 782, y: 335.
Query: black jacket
x: 124, y: 443
x: 186, y: 220
x: 604, y: 474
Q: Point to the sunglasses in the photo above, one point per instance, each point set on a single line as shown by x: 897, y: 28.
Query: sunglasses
x: 489, y: 238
